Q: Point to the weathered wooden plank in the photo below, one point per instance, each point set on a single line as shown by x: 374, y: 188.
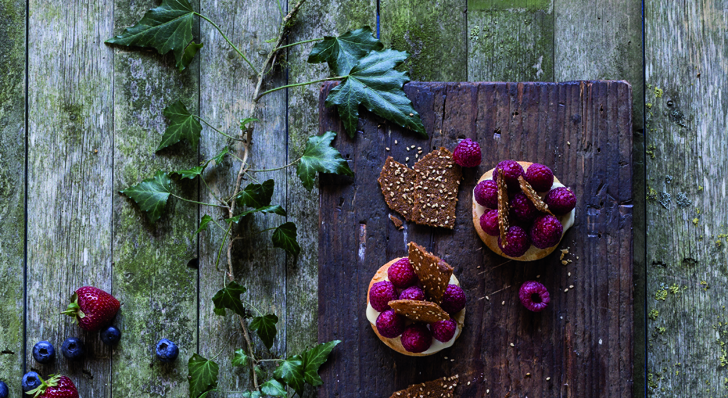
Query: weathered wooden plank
x: 151, y: 275
x: 433, y: 33
x: 303, y: 120
x: 510, y: 40
x: 70, y: 157
x: 687, y: 159
x: 12, y: 194
x: 227, y: 86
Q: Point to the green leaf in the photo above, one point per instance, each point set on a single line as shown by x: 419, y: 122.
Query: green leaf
x: 291, y: 371
x: 320, y: 156
x: 229, y: 297
x: 220, y: 156
x: 190, y: 173
x: 285, y: 237
x: 241, y: 358
x: 240, y: 216
x: 374, y: 83
x: 202, y: 375
x: 165, y: 28
x: 256, y: 195
x: 343, y: 52
x: 273, y: 388
x: 314, y: 358
x: 265, y: 326
x: 203, y: 223
x: 151, y: 194
x: 244, y: 122
x: 190, y: 52
x: 182, y: 126
x: 275, y: 209
x: 251, y: 394
x: 262, y: 374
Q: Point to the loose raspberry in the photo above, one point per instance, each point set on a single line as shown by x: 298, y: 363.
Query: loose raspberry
x: 381, y: 294
x: 412, y: 293
x: 416, y: 338
x: 518, y: 242
x: 540, y: 177
x: 444, y: 330
x: 486, y: 194
x: 546, y: 231
x: 401, y: 274
x: 560, y: 200
x: 512, y: 170
x: 489, y: 222
x: 390, y: 324
x: 453, y: 300
x: 522, y: 208
x: 534, y: 296
x: 467, y: 153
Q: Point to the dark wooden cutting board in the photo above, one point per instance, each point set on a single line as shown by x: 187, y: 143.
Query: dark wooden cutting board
x: 581, y: 345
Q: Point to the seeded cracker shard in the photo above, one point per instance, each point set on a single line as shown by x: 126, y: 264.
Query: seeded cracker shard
x: 436, y: 189
x: 420, y: 311
x: 398, y: 182
x: 533, y: 196
x: 441, y: 388
x: 502, y: 206
x: 434, y: 273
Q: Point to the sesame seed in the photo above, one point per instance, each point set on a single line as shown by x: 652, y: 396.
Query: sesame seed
x: 395, y: 142
x: 406, y: 159
x: 569, y: 273
x: 513, y: 345
x: 503, y: 303
x: 538, y: 276
x: 566, y: 290
x: 387, y: 148
x: 548, y: 378
x: 571, y: 286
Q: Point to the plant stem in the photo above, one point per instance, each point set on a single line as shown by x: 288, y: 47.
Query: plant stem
x: 299, y: 42
x: 216, y: 130
x: 196, y: 202
x: 219, y: 252
x: 270, y: 360
x: 212, y: 193
x: 277, y: 168
x: 302, y: 84
x: 229, y: 42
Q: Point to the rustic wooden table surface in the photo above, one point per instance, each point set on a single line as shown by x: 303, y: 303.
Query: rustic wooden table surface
x: 79, y: 120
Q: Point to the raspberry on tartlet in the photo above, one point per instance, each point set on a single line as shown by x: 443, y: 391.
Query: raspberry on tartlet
x: 390, y: 324
x: 416, y: 338
x: 546, y: 231
x: 401, y: 274
x: 381, y: 294
x: 560, y: 200
x: 511, y: 171
x: 453, y: 301
x: 467, y: 153
x: 517, y: 242
x: 523, y: 209
x: 489, y: 222
x: 444, y: 330
x: 540, y: 177
x: 534, y: 296
x: 486, y: 194
x: 412, y: 293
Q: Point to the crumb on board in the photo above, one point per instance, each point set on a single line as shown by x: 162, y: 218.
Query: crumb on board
x: 397, y: 222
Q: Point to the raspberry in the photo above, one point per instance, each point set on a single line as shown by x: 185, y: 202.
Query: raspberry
x: 489, y: 222
x: 443, y: 330
x: 381, y: 294
x: 512, y: 170
x: 412, y: 293
x: 540, y: 177
x: 546, y: 231
x: 518, y: 242
x: 453, y: 300
x: 401, y: 274
x: 486, y: 194
x: 534, y: 296
x: 416, y: 338
x: 560, y: 200
x: 522, y: 208
x: 390, y: 324
x: 467, y: 153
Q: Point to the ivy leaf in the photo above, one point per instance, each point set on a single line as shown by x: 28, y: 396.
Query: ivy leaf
x: 285, y: 237
x: 291, y: 371
x: 202, y: 375
x: 273, y: 388
x: 256, y: 195
x: 229, y: 297
x: 151, y: 194
x: 320, y: 156
x: 251, y: 394
x: 374, y: 83
x: 240, y: 216
x: 220, y: 156
x: 265, y: 327
x: 182, y: 126
x: 314, y: 358
x: 240, y: 358
x: 165, y: 28
x: 244, y: 122
x: 190, y: 173
x: 343, y: 52
x: 275, y: 209
x: 189, y: 54
x: 203, y: 224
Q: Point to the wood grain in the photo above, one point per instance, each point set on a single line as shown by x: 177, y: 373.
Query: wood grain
x: 70, y: 158
x: 583, y: 342
x: 152, y: 276
x: 12, y: 193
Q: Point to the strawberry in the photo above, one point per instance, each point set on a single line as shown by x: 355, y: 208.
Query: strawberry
x: 56, y: 387
x: 93, y: 308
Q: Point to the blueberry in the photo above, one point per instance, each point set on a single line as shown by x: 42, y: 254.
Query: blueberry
x: 3, y: 390
x: 43, y: 352
x: 31, y: 380
x: 110, y: 335
x: 73, y: 348
x: 167, y: 351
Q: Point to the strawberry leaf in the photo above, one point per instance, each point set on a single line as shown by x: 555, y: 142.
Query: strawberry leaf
x: 343, y: 52
x: 240, y: 358
x: 165, y: 28
x: 314, y: 358
x: 285, y: 237
x: 203, y: 223
x: 256, y: 195
x: 151, y: 195
x: 265, y: 327
x: 273, y: 388
x: 202, y: 376
x: 229, y: 297
x: 291, y: 371
x: 182, y: 126
x: 320, y: 156
x: 189, y: 54
x: 374, y: 83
